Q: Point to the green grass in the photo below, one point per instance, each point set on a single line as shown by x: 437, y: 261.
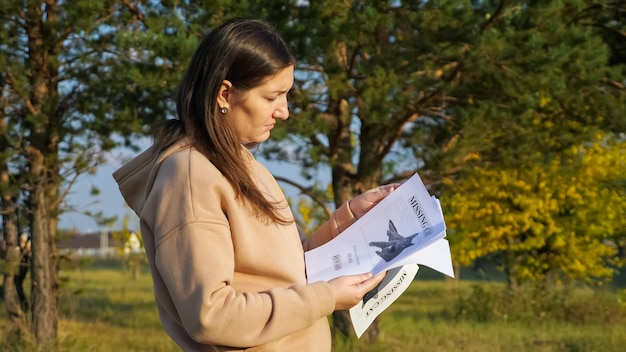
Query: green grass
x: 103, y: 309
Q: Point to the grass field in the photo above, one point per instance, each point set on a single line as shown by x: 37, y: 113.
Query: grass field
x: 103, y: 309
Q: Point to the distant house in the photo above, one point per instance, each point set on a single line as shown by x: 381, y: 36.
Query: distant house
x: 90, y: 245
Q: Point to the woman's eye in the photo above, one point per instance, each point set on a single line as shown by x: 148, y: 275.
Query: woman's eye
x: 272, y: 98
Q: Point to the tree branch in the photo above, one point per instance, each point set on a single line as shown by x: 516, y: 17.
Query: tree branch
x: 306, y: 191
x: 493, y: 17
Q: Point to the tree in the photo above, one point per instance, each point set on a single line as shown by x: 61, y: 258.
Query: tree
x: 513, y: 157
x: 370, y: 75
x: 547, y: 223
x: 78, y: 74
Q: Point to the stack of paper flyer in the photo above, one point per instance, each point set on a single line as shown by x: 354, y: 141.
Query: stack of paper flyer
x: 404, y: 230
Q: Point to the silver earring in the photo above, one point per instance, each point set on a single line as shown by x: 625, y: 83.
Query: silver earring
x: 223, y: 110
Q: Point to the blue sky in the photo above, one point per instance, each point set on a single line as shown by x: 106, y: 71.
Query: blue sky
x: 109, y: 201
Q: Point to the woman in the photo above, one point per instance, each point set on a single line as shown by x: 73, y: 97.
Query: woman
x: 224, y: 251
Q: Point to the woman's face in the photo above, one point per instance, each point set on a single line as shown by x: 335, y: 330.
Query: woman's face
x: 252, y: 114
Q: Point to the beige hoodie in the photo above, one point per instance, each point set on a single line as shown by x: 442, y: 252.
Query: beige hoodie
x: 223, y: 279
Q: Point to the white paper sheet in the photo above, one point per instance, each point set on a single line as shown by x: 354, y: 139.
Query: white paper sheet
x: 404, y: 222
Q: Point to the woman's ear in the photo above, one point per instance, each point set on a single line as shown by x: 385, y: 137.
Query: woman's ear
x: 224, y: 94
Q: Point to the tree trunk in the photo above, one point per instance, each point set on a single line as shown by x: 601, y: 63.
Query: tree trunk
x: 12, y: 257
x: 510, y: 270
x: 44, y: 277
x: 44, y: 41
x: 10, y: 250
x: 342, y: 323
x: 347, y: 183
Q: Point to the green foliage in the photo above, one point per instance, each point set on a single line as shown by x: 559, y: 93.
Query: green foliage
x: 608, y: 18
x: 537, y: 304
x: 519, y: 109
x: 77, y: 75
x: 366, y: 71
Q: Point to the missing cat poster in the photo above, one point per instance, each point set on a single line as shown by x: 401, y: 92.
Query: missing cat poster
x: 404, y: 230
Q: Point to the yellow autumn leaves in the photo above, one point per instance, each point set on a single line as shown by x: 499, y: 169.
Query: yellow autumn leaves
x: 565, y: 218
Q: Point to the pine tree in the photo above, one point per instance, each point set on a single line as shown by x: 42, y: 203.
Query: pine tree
x: 538, y: 85
x: 79, y: 75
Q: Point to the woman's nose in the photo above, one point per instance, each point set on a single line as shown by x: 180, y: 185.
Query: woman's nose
x: 282, y: 112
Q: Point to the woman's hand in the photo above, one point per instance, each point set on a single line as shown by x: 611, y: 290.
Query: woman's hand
x: 366, y: 200
x: 350, y: 289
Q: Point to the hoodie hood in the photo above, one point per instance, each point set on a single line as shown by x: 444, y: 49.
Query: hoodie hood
x: 136, y: 178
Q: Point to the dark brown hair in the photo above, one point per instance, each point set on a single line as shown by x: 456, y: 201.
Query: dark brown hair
x: 244, y: 52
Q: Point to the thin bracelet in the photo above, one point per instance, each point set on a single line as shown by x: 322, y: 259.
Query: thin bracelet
x: 353, y: 213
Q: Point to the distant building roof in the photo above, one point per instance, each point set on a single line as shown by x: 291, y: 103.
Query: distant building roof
x: 89, y: 244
